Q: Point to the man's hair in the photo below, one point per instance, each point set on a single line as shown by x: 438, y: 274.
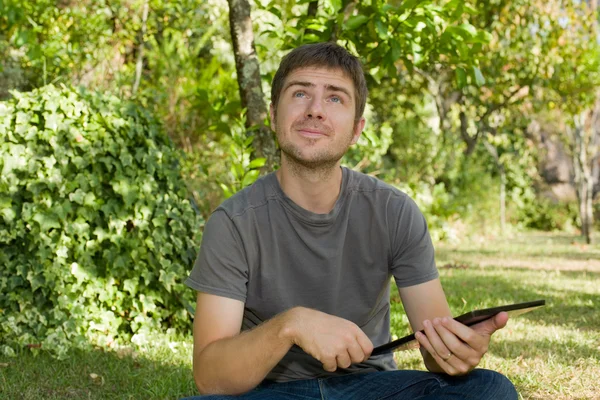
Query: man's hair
x: 328, y: 55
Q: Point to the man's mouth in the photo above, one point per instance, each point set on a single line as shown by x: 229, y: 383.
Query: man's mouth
x: 311, y: 132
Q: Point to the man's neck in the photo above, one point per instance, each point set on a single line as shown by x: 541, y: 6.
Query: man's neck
x: 314, y: 189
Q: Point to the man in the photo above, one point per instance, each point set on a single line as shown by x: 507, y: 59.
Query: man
x: 300, y: 263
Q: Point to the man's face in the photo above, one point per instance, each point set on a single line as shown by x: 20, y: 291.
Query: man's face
x: 314, y: 120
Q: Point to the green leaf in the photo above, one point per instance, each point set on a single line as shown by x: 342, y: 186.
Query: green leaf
x: 479, y: 79
x: 470, y: 29
x: 461, y: 77
x: 250, y: 177
x: 275, y: 11
x: 36, y: 280
x: 257, y: 163
x: 226, y: 191
x: 387, y: 8
x: 312, y: 38
x: 356, y: 22
x: 46, y: 221
x: 396, y: 50
x: 408, y: 5
x: 248, y: 141
x: 382, y: 29
x: 316, y: 27
x: 333, y: 6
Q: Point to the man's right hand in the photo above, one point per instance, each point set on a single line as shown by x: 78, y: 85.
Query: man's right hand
x: 334, y: 341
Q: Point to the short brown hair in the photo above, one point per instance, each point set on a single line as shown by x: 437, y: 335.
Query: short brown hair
x: 328, y: 55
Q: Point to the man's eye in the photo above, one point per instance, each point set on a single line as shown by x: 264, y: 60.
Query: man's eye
x: 335, y: 99
x: 299, y: 94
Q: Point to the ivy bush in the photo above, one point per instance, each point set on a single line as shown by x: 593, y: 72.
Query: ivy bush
x: 96, y: 231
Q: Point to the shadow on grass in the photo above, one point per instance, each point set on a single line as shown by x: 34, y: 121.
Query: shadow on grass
x: 564, y: 307
x: 577, y: 255
x: 563, y: 351
x: 93, y: 374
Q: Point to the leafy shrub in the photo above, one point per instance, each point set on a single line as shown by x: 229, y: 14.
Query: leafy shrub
x: 543, y: 214
x: 96, y: 233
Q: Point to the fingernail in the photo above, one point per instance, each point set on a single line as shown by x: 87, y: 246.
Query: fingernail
x: 436, y: 321
x: 427, y: 323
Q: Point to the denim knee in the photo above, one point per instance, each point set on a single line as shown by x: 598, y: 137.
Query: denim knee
x: 497, y: 386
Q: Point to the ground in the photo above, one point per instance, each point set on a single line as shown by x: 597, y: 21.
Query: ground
x: 550, y: 353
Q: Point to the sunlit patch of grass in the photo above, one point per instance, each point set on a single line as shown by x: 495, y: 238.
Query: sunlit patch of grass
x: 550, y: 353
x: 155, y: 372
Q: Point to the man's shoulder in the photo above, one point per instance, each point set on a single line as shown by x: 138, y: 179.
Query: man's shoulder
x: 251, y: 197
x: 361, y: 182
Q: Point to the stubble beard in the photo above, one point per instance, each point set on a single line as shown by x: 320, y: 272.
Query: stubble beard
x: 320, y: 163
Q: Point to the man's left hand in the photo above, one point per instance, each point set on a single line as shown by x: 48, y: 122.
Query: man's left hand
x: 455, y: 347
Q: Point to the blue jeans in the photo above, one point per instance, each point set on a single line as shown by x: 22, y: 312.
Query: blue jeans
x: 389, y: 385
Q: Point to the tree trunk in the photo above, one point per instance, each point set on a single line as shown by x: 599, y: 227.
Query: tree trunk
x: 502, y: 171
x: 502, y: 199
x: 140, y: 59
x: 583, y: 149
x: 249, y: 82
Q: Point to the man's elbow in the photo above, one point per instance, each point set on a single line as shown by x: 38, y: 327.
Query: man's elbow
x: 206, y: 386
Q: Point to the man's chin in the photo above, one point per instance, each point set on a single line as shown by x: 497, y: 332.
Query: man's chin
x: 312, y: 161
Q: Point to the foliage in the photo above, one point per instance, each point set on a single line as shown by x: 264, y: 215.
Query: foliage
x: 543, y: 214
x: 446, y: 77
x: 244, y: 170
x: 97, y: 232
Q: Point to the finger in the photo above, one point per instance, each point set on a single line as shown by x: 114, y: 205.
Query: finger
x: 489, y: 326
x: 330, y: 364
x: 365, y: 344
x: 437, y: 344
x: 468, y: 335
x: 452, y: 365
x: 343, y: 360
x: 456, y: 346
x: 501, y: 320
x: 357, y: 355
x: 426, y: 344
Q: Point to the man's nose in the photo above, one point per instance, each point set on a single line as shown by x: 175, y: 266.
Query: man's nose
x: 315, y: 109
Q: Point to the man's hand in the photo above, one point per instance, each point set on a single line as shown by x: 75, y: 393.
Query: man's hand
x: 455, y: 347
x: 334, y: 341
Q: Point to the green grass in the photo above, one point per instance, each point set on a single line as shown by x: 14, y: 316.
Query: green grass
x: 551, y: 353
x: 161, y: 372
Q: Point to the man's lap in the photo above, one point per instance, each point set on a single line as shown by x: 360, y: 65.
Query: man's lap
x: 388, y: 385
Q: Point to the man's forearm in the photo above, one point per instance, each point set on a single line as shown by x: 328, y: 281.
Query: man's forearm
x: 237, y: 364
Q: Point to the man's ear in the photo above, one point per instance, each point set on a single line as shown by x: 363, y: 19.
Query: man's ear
x: 358, y: 128
x: 272, y: 115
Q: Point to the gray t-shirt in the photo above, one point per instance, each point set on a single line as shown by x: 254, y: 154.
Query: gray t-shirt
x: 261, y: 248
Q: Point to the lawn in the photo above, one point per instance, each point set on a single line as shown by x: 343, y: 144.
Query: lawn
x: 551, y: 353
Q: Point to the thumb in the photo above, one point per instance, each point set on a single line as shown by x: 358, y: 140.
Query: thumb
x: 489, y: 326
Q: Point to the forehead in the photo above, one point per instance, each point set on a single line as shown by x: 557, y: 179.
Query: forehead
x: 321, y: 76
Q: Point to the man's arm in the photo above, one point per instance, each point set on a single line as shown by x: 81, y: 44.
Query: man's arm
x: 447, y: 345
x: 225, y: 361
x: 229, y: 362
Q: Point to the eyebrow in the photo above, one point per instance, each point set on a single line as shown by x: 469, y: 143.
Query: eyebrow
x: 331, y: 88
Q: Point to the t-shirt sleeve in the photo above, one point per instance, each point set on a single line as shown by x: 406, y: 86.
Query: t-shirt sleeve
x: 221, y: 267
x: 413, y: 259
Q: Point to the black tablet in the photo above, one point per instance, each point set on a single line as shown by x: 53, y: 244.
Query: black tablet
x: 470, y: 318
